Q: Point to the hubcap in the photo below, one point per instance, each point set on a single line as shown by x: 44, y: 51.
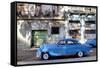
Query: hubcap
x: 45, y: 56
x: 80, y: 54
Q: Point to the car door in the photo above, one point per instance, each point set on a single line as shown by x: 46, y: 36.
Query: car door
x: 70, y: 47
x: 60, y: 48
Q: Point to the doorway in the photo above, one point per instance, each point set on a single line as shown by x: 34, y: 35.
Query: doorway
x: 38, y: 37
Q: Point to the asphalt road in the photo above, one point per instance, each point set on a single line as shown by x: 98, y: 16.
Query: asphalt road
x: 31, y: 59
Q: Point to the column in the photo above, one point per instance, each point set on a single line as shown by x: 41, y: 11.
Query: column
x: 82, y: 30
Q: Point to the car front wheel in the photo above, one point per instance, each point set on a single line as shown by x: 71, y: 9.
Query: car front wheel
x: 80, y: 54
x: 45, y: 56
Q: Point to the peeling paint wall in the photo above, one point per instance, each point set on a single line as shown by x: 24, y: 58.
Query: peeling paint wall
x: 24, y: 29
x: 23, y: 33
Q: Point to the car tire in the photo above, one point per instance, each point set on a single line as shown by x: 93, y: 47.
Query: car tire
x: 45, y: 56
x: 80, y: 54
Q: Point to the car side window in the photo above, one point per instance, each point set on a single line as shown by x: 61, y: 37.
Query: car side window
x: 62, y: 42
x: 70, y: 42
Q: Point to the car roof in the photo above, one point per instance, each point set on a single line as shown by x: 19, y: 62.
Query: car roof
x: 71, y: 39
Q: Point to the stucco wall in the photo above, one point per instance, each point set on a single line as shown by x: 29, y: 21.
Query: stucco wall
x: 24, y: 29
x: 23, y: 33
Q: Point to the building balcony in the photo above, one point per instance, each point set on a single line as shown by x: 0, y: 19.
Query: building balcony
x: 87, y: 28
x: 78, y: 27
x: 73, y: 26
x: 90, y: 28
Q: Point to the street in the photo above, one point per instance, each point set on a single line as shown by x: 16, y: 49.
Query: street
x: 31, y: 59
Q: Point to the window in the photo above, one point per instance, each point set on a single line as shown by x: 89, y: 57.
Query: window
x: 76, y: 21
x: 55, y: 30
x: 90, y: 31
x: 71, y: 42
x: 92, y: 22
x: 62, y: 42
x: 68, y: 42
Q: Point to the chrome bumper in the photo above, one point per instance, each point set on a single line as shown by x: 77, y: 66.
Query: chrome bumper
x: 91, y: 51
x: 38, y: 53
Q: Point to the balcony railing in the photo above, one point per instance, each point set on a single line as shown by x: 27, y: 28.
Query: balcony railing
x: 74, y: 26
x: 90, y: 18
x: 90, y: 27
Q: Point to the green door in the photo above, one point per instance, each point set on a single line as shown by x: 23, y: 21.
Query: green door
x: 38, y: 37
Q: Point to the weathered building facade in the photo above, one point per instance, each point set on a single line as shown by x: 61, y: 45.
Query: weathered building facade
x: 38, y: 24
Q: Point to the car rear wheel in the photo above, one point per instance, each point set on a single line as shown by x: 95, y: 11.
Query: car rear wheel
x: 45, y: 56
x: 80, y: 54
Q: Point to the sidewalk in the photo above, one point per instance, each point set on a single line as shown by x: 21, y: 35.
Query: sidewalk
x: 23, y: 54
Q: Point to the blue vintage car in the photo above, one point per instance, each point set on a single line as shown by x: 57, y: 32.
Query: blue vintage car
x: 62, y: 48
x: 91, y: 42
